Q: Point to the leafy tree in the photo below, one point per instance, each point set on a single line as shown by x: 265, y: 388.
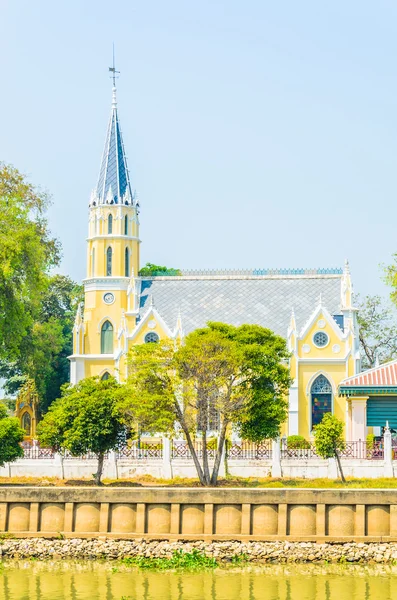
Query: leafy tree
x: 11, y: 436
x: 328, y: 435
x: 44, y: 351
x: 27, y: 252
x: 150, y: 269
x: 377, y: 331
x: 85, y: 419
x: 297, y: 442
x: 237, y: 372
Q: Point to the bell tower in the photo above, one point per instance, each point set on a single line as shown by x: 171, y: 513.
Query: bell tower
x: 100, y: 338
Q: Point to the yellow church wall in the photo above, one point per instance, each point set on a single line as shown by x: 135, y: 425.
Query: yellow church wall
x: 325, y: 351
x: 97, y: 367
x: 335, y: 372
x: 140, y: 337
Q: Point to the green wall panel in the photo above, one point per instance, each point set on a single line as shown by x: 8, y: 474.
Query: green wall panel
x: 380, y: 410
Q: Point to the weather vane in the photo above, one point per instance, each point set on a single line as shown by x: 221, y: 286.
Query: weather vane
x: 113, y: 70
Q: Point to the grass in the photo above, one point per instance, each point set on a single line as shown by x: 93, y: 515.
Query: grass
x: 188, y: 561
x: 236, y: 482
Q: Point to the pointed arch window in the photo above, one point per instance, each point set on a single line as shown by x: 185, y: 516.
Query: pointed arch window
x: 126, y: 225
x: 27, y: 423
x: 127, y: 263
x: 105, y: 376
x: 321, y: 399
x: 107, y: 338
x: 109, y: 262
x: 110, y: 224
x: 93, y: 263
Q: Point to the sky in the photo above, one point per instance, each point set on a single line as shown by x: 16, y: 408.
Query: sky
x: 259, y: 134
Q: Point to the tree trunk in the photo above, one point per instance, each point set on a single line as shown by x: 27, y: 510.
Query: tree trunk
x: 190, y: 444
x: 339, y: 466
x: 98, y: 474
x: 218, y: 457
x: 206, y: 468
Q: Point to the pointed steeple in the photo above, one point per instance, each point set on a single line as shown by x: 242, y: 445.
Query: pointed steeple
x: 114, y: 185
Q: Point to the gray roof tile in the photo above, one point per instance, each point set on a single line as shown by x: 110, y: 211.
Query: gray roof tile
x: 266, y: 301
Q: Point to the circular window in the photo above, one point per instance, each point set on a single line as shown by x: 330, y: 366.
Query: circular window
x: 320, y: 339
x: 151, y: 338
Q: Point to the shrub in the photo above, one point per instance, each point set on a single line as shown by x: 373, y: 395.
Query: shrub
x: 297, y: 442
x: 371, y: 440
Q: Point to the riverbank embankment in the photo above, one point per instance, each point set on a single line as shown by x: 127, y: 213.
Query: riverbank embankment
x: 227, y: 551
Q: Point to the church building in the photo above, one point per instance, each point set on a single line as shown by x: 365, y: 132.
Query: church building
x: 311, y: 308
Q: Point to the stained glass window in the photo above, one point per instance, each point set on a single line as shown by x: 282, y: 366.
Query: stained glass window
x: 321, y: 385
x: 321, y: 395
x: 320, y: 339
x: 151, y: 338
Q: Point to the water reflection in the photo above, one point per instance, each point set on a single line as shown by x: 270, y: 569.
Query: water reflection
x: 25, y: 580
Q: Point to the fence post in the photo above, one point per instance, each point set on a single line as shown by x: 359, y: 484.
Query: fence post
x: 276, y: 458
x: 111, y: 465
x: 167, y: 466
x: 387, y: 450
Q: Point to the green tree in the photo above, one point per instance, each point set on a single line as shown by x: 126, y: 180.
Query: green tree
x: 27, y: 253
x: 85, y: 419
x: 328, y: 436
x: 11, y: 436
x: 377, y: 331
x: 44, y: 351
x: 150, y: 269
x: 236, y: 373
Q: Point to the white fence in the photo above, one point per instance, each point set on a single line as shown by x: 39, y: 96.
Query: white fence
x: 172, y: 458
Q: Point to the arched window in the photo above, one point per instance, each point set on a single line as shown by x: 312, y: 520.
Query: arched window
x: 93, y: 263
x: 107, y: 338
x: 108, y: 262
x: 110, y: 224
x: 127, y: 263
x: 151, y: 338
x: 321, y: 399
x: 27, y: 423
x: 105, y: 376
x: 126, y: 225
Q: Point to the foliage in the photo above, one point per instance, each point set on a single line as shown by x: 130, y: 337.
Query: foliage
x: 190, y: 561
x: 11, y: 435
x: 329, y: 440
x: 27, y: 252
x: 84, y: 419
x: 44, y: 351
x: 371, y: 440
x: 377, y: 330
x: 238, y: 373
x: 150, y: 270
x: 297, y: 442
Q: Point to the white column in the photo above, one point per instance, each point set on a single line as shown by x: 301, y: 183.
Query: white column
x: 387, y: 449
x: 58, y: 462
x: 276, y: 458
x: 167, y: 467
x: 293, y: 425
x: 359, y: 418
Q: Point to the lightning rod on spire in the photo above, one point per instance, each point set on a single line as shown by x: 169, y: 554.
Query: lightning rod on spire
x: 113, y: 70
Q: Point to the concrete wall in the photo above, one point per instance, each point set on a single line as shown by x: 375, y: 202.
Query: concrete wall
x: 168, y: 513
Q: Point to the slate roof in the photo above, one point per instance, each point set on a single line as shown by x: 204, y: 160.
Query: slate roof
x: 263, y: 300
x: 113, y: 182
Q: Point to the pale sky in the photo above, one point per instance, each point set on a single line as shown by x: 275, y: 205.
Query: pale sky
x: 258, y: 133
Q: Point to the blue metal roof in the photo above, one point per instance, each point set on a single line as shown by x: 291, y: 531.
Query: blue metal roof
x: 114, y: 183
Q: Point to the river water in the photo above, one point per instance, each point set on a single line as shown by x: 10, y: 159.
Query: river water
x: 27, y: 580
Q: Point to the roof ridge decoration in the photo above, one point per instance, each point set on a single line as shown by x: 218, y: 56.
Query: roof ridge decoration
x: 113, y: 185
x: 246, y: 272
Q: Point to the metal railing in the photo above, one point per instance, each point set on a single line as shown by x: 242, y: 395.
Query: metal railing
x: 250, y: 451
x: 145, y: 451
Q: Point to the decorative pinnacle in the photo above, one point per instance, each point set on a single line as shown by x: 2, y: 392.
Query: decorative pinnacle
x: 347, y: 266
x: 114, y: 72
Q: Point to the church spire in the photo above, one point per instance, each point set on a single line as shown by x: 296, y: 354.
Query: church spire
x: 114, y: 185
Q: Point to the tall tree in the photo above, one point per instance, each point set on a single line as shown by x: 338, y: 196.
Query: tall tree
x: 377, y: 330
x: 237, y: 372
x: 27, y: 252
x: 85, y: 419
x: 44, y: 351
